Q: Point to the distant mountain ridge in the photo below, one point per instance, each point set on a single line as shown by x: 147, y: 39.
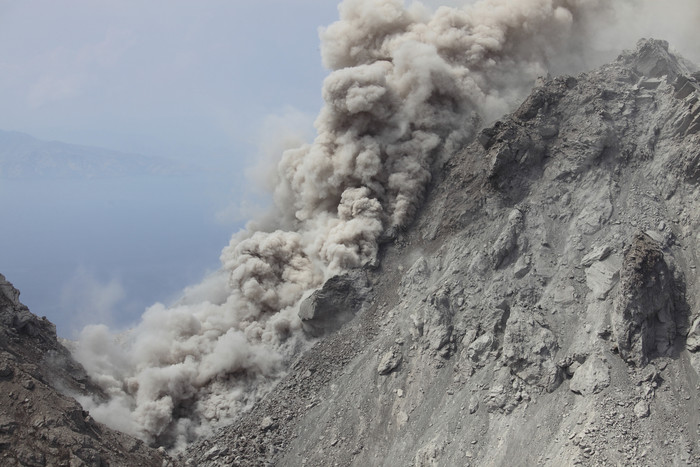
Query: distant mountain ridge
x: 23, y: 156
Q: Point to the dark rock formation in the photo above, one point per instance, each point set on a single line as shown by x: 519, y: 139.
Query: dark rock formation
x: 334, y: 304
x: 647, y: 320
x: 40, y: 423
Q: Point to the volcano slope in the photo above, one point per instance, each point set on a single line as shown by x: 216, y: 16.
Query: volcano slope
x: 542, y: 308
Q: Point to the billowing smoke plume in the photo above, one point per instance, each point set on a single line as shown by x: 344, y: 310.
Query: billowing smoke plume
x: 407, y: 87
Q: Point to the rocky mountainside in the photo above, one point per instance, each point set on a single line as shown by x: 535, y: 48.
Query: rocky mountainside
x: 541, y: 310
x: 40, y: 421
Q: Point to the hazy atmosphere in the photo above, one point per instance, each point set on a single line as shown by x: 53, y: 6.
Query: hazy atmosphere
x: 203, y: 106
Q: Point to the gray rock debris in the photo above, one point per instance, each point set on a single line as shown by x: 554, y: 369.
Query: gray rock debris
x: 506, y: 243
x: 693, y: 339
x: 479, y: 351
x: 267, y: 423
x: 591, y: 377
x: 597, y: 254
x: 529, y: 348
x: 522, y: 266
x: 641, y: 409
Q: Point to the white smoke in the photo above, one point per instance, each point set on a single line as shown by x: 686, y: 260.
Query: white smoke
x: 408, y: 86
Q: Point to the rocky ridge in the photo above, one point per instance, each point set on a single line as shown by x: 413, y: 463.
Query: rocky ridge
x: 40, y: 421
x: 541, y: 310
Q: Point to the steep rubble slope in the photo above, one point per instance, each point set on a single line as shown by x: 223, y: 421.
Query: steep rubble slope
x: 543, y: 307
x: 40, y: 424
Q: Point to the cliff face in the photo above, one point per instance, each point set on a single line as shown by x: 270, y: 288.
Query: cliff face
x: 543, y: 307
x: 40, y: 423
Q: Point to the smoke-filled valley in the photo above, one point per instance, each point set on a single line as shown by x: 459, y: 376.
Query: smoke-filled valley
x: 410, y: 103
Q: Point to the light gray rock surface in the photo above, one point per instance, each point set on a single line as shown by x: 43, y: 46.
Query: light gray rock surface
x: 591, y: 377
x: 601, y: 276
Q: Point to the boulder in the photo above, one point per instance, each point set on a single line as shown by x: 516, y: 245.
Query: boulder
x: 597, y: 254
x: 334, y: 304
x: 389, y: 361
x: 591, y: 377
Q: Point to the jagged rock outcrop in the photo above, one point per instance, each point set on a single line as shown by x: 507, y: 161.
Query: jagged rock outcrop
x: 334, y: 304
x: 537, y: 310
x: 40, y: 423
x: 647, y: 319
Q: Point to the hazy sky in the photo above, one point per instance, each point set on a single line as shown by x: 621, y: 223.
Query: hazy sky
x: 205, y: 81
x: 180, y: 78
